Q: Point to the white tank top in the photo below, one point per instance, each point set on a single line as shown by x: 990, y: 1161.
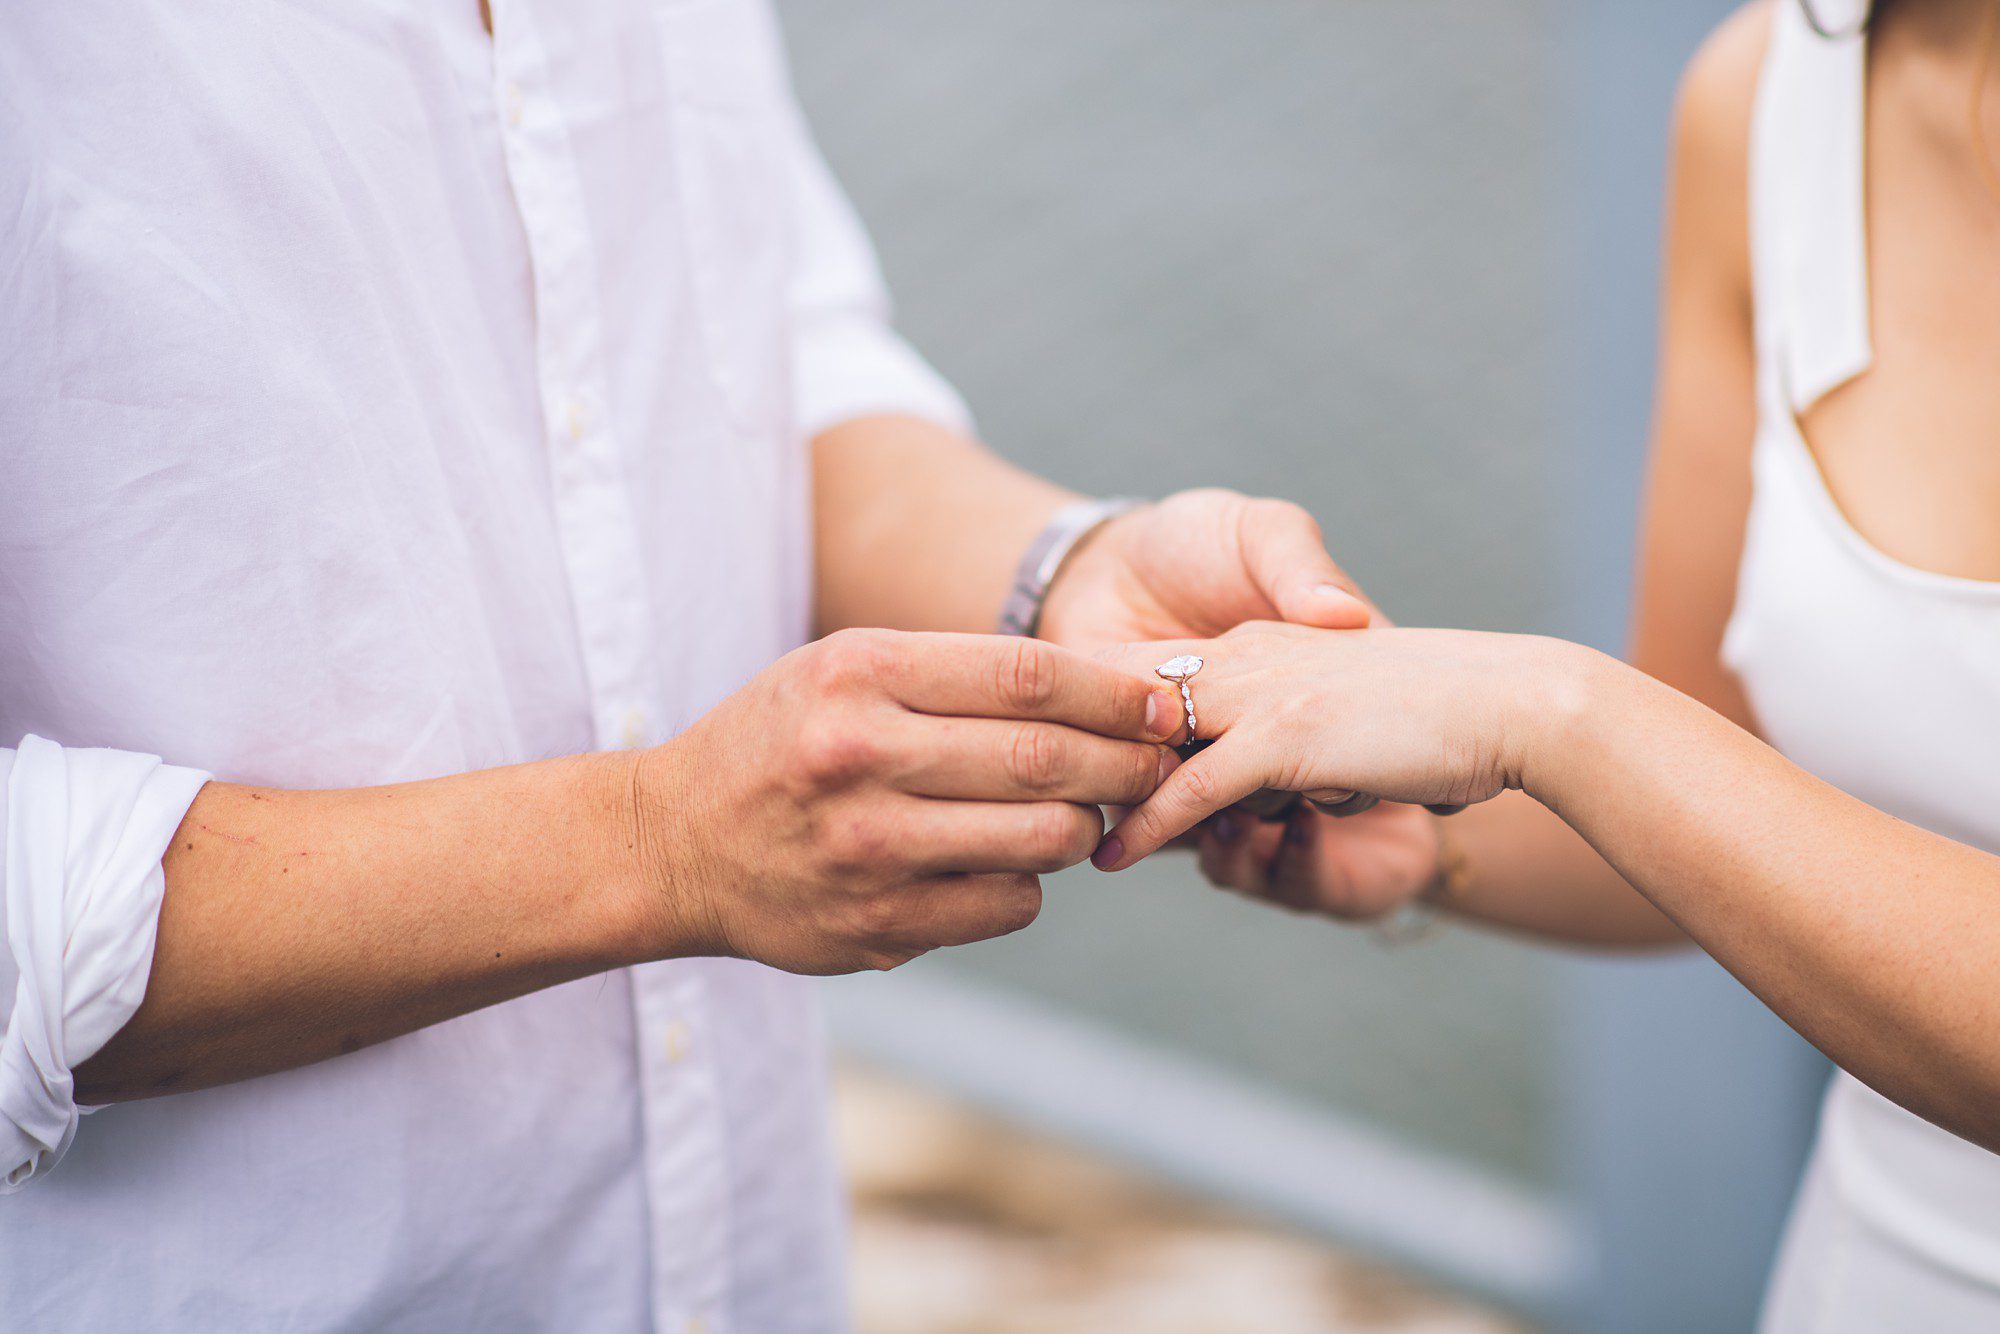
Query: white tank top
x: 1880, y: 678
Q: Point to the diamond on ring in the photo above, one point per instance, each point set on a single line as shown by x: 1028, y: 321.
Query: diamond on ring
x: 1180, y: 671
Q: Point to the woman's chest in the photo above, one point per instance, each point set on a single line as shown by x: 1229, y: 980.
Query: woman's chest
x: 1910, y: 451
x: 1881, y: 678
x: 1909, y: 448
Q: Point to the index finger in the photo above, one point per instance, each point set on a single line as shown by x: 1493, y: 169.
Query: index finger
x: 1004, y: 676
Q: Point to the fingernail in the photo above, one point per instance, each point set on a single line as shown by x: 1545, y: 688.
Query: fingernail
x: 1225, y: 828
x: 1345, y: 599
x: 1107, y: 854
x: 1163, y: 713
x: 1168, y: 762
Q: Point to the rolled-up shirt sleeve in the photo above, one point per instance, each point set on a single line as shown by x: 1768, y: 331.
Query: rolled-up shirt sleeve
x: 80, y: 846
x: 848, y: 359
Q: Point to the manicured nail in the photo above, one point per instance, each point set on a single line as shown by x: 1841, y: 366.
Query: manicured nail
x: 1168, y: 762
x: 1225, y: 828
x: 1107, y: 854
x: 1163, y: 713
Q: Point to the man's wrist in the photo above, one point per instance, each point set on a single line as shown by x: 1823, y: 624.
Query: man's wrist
x: 1049, y: 557
x: 651, y: 904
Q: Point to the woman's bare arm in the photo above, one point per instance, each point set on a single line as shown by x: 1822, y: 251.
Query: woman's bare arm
x: 1875, y: 939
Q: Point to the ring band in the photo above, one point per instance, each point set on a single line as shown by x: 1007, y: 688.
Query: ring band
x: 1180, y: 671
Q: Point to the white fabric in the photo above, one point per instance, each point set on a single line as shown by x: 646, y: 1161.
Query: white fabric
x: 383, y: 400
x: 80, y: 845
x: 1880, y: 678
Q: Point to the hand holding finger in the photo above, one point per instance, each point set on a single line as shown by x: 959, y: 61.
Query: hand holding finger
x: 1001, y: 676
x: 992, y: 759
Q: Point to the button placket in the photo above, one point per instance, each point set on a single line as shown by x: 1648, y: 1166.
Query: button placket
x: 685, y: 1158
x: 632, y: 733
x: 594, y: 521
x: 686, y: 1169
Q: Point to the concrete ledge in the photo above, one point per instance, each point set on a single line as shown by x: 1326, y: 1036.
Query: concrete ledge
x: 1214, y: 1132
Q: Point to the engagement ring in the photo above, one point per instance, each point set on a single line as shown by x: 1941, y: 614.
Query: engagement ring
x: 1180, y: 671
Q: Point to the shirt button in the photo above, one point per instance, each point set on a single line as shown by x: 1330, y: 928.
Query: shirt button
x: 516, y: 105
x: 633, y: 733
x: 576, y: 419
x: 695, y: 1325
x: 674, y: 1041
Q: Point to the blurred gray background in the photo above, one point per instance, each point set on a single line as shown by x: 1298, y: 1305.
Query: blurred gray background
x: 1392, y: 259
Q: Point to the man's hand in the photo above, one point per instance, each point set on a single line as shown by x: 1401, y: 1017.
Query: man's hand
x: 1195, y: 565
x: 878, y: 794
x: 1358, y: 868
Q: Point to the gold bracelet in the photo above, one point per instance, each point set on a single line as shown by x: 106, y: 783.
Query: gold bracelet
x: 1454, y: 873
x: 1418, y: 917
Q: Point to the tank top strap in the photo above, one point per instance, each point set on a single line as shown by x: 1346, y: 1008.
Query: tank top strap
x: 1808, y: 242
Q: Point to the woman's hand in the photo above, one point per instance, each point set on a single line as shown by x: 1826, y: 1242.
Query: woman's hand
x: 1357, y: 868
x: 1423, y: 717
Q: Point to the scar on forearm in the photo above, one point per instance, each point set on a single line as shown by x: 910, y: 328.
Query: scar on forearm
x: 208, y: 828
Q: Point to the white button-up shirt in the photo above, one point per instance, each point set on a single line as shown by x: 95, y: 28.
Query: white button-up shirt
x: 382, y: 399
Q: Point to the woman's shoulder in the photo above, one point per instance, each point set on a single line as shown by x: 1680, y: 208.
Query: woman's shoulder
x: 1718, y: 88
x: 1713, y: 111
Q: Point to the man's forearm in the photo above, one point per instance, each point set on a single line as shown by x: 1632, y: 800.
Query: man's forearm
x: 301, y: 925
x: 919, y: 528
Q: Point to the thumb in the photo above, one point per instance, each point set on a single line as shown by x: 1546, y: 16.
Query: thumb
x: 1288, y: 562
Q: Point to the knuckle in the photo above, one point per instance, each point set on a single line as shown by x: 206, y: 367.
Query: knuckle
x: 1036, y: 761
x: 1198, y: 786
x: 877, y: 916
x: 855, y: 846
x: 1027, y: 678
x: 832, y: 752
x: 1019, y: 905
x: 1142, y: 775
x: 846, y: 656
x: 1284, y: 513
x: 1062, y: 836
x: 1255, y: 633
x: 883, y: 961
x: 1201, y: 497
